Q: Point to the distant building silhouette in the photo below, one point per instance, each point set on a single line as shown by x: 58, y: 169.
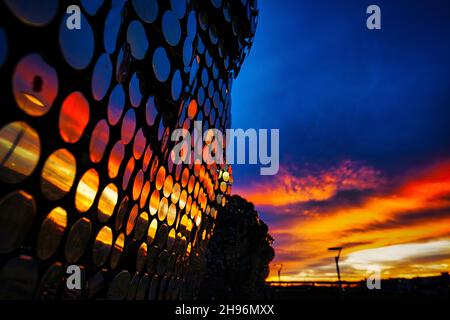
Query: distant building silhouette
x: 394, y: 288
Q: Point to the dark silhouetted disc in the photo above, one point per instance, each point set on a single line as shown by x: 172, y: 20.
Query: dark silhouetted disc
x: 213, y: 35
x: 35, y: 13
x: 163, y: 260
x: 151, y: 259
x: 147, y: 10
x: 3, y: 47
x: 216, y: 3
x: 203, y: 20
x: 51, y: 282
x: 77, y: 240
x: 95, y: 284
x: 153, y: 289
x: 118, y: 289
x: 18, y: 278
x: 226, y: 12
x: 17, y: 210
x: 133, y: 287
x: 162, y: 294
x: 142, y: 287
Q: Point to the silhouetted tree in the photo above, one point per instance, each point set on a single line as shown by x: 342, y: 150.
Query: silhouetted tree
x: 238, y: 255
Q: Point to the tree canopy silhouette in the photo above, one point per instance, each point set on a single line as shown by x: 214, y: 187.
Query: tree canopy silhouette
x: 238, y: 255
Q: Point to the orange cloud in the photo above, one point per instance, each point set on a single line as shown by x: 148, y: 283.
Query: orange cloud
x: 416, y: 211
x: 318, y: 185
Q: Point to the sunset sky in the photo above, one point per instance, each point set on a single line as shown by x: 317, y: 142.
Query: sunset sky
x: 364, y: 119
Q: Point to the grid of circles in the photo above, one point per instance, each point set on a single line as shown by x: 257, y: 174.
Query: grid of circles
x: 85, y: 143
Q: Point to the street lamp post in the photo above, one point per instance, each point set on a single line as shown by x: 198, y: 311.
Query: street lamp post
x: 336, y: 259
x: 279, y: 270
